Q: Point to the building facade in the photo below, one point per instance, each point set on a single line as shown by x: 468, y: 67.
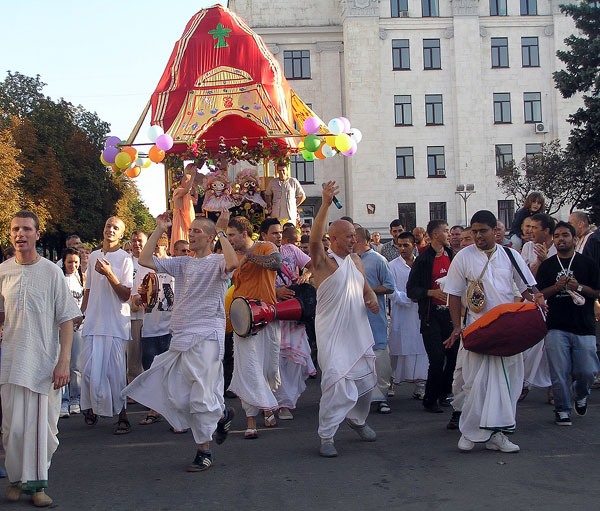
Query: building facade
x: 444, y: 91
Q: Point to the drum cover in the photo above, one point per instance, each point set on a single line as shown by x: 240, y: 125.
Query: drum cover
x: 150, y: 297
x: 506, y: 330
x: 240, y: 315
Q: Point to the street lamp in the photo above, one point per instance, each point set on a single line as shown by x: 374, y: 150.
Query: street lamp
x: 465, y: 191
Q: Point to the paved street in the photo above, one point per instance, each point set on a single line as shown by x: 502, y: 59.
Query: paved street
x: 414, y: 465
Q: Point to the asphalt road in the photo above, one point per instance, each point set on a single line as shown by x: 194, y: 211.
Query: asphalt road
x: 414, y: 465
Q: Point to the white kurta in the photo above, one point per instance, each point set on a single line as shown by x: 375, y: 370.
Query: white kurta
x: 492, y: 385
x: 345, y: 344
x: 407, y: 352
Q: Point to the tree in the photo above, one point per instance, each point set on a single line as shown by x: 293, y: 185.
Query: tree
x: 10, y: 173
x: 581, y: 75
x: 131, y: 208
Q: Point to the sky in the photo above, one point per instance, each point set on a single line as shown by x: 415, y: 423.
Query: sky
x: 104, y: 55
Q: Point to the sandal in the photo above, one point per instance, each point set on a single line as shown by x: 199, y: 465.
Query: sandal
x: 250, y: 434
x: 524, y: 393
x: 270, y: 421
x: 178, y: 431
x: 123, y: 427
x: 90, y: 418
x: 150, y: 419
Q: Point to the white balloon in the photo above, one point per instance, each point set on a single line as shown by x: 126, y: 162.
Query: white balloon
x: 154, y: 132
x: 336, y: 126
x: 328, y: 151
x: 356, y: 135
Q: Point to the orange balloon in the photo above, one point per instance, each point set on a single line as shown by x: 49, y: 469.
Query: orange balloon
x: 131, y: 151
x: 133, y: 172
x: 319, y: 154
x: 156, y: 155
x: 115, y: 168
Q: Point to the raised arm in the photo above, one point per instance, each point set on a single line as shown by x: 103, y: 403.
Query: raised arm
x: 163, y: 222
x: 318, y: 256
x: 270, y: 261
x: 231, y: 259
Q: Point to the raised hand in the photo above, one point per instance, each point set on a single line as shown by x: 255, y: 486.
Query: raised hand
x: 223, y: 220
x: 163, y: 221
x: 103, y: 267
x: 329, y: 190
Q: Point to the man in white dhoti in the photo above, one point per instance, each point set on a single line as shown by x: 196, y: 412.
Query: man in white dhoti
x: 106, y: 329
x: 37, y: 312
x: 344, y: 337
x: 491, y: 384
x: 185, y: 384
x: 407, y: 351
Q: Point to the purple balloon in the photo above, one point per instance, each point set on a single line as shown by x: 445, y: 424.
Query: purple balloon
x: 352, y: 150
x: 112, y: 142
x: 164, y: 142
x: 110, y: 153
x: 311, y: 125
x: 346, y: 124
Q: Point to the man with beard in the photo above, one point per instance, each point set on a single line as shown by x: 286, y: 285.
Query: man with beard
x: 390, y: 249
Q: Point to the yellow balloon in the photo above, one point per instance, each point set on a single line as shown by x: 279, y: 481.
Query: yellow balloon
x: 146, y: 164
x: 330, y: 140
x: 122, y: 160
x: 343, y: 142
x: 104, y: 162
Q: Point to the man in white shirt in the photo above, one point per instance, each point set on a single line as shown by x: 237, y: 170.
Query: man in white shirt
x: 106, y: 329
x: 581, y: 221
x: 284, y: 194
x: 134, y: 346
x: 72, y: 241
x: 37, y: 313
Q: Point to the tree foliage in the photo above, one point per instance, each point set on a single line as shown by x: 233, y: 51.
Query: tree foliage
x: 50, y: 150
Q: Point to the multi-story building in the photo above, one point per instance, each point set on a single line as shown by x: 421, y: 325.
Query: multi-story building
x: 444, y: 91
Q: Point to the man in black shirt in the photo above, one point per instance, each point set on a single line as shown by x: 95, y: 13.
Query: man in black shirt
x: 568, y: 279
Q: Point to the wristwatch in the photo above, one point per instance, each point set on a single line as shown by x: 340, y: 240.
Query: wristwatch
x: 579, y: 288
x: 222, y: 234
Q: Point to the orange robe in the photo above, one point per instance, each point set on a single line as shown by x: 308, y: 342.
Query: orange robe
x: 182, y: 219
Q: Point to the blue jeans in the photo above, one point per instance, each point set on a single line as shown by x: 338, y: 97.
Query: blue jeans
x: 152, y: 346
x: 72, y: 392
x: 571, y: 357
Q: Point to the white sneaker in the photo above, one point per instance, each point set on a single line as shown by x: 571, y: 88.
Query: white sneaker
x: 499, y: 442
x: 464, y: 444
x: 64, y: 410
x: 74, y: 409
x: 285, y: 414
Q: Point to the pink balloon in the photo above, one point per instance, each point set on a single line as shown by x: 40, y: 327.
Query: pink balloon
x: 110, y: 153
x: 311, y: 125
x: 352, y: 150
x: 346, y: 124
x: 164, y: 142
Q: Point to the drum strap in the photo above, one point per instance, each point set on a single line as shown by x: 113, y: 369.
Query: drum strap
x: 517, y: 267
x: 286, y: 271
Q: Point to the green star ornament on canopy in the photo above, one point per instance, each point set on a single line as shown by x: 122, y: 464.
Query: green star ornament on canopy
x: 220, y: 33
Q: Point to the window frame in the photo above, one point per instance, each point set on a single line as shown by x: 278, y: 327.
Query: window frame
x: 506, y: 212
x: 403, y: 158
x: 442, y: 206
x: 407, y: 214
x: 497, y: 4
x: 502, y: 160
x: 434, y: 111
x: 502, y: 103
x: 497, y: 53
x: 525, y: 7
x: 398, y: 50
x: 431, y: 54
x: 529, y: 108
x: 289, y: 58
x: 436, y: 161
x: 430, y: 3
x: 403, y: 108
x: 297, y: 160
x: 395, y: 6
x: 527, y: 49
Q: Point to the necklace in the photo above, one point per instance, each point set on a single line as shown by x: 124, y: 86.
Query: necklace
x: 568, y: 268
x: 35, y: 260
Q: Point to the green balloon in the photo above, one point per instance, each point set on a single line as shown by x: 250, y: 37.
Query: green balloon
x: 308, y: 156
x: 312, y: 143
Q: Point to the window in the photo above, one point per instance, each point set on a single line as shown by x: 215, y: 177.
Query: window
x: 407, y: 214
x: 403, y: 110
x: 431, y: 54
x: 436, y: 162
x: 430, y: 8
x: 400, y: 54
x: 498, y: 8
x: 434, y: 109
x: 504, y: 156
x: 303, y: 171
x: 499, y: 51
x: 502, y: 108
x: 532, y: 150
x: 506, y: 212
x: 404, y: 162
x: 296, y: 64
x: 437, y: 211
x: 533, y: 106
x: 530, y: 52
x: 397, y: 6
x: 528, y: 7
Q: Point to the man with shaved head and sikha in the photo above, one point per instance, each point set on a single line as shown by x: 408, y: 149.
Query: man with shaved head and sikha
x: 344, y: 337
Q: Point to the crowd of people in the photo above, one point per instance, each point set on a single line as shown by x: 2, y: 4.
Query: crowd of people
x: 133, y: 321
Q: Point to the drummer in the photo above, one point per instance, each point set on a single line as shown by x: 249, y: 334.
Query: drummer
x: 295, y: 363
x: 256, y: 359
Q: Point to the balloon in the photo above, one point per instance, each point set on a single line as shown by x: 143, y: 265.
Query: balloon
x: 343, y: 142
x: 154, y: 132
x: 330, y: 140
x: 319, y: 153
x: 327, y: 151
x: 115, y: 169
x: 352, y: 149
x: 311, y: 125
x: 308, y: 156
x: 346, y: 124
x: 134, y: 172
x: 164, y: 142
x: 122, y: 160
x: 301, y: 144
x: 131, y: 151
x: 336, y: 126
x: 146, y: 164
x: 109, y: 154
x: 139, y: 162
x: 156, y: 155
x: 312, y: 143
x: 112, y: 142
x: 104, y: 162
x: 356, y: 135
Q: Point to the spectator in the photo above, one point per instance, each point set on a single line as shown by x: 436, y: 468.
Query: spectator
x: 304, y: 240
x: 455, y: 231
x: 534, y: 203
x: 390, y: 249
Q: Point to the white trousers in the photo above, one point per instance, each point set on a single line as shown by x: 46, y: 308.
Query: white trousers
x: 103, y: 374
x: 185, y: 387
x: 342, y: 402
x: 29, y: 429
x: 383, y: 369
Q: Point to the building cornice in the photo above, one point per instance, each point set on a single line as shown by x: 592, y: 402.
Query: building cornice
x: 360, y: 8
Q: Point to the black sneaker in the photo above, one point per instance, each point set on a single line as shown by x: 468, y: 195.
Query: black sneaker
x: 581, y: 407
x: 202, y: 461
x: 562, y: 419
x: 453, y: 422
x: 446, y: 401
x: 224, y: 425
x: 433, y: 408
